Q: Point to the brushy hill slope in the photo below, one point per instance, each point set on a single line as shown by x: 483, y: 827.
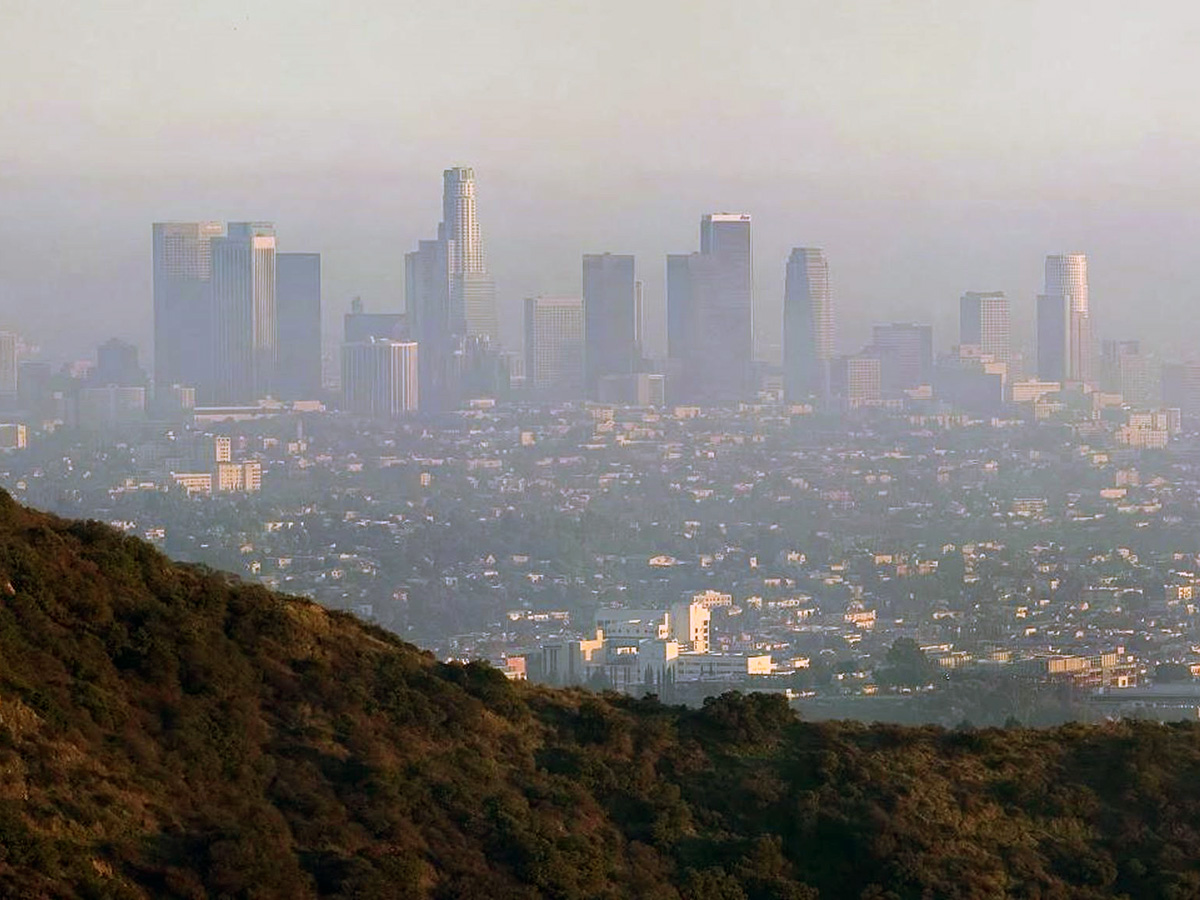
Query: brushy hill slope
x: 167, y: 732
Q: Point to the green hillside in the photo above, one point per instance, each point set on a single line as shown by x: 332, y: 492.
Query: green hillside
x: 167, y: 732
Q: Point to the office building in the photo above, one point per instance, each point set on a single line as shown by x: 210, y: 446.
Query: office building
x: 1181, y: 388
x: 450, y: 300
x: 554, y: 346
x: 8, y: 363
x: 610, y: 319
x: 710, y: 312
x: 639, y: 319
x: 298, y: 325
x: 808, y: 326
x: 472, y: 292
x: 183, y: 321
x: 110, y: 406
x: 905, y: 352
x: 983, y: 322
x: 35, y: 387
x: 1128, y: 371
x: 380, y: 378
x: 1051, y: 338
x: 1066, y: 298
x: 117, y: 363
x: 245, y: 327
x: 857, y: 380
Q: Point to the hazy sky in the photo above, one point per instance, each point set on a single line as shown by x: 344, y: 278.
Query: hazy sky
x: 930, y: 147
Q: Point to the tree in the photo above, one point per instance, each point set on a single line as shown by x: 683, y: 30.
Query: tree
x: 907, y: 665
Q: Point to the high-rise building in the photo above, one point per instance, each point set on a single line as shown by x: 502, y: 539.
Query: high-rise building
x: 472, y: 291
x: 183, y: 322
x: 710, y: 311
x: 8, y: 362
x: 117, y: 364
x: 450, y: 299
x: 245, y: 326
x: 1066, y: 296
x: 857, y: 380
x: 1051, y: 338
x: 639, y: 318
x: 359, y: 325
x: 554, y: 346
x: 983, y: 322
x: 808, y: 326
x: 905, y: 352
x: 380, y: 378
x: 34, y: 387
x: 610, y: 319
x: 298, y: 329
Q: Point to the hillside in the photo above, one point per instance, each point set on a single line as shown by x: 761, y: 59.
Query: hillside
x: 168, y: 732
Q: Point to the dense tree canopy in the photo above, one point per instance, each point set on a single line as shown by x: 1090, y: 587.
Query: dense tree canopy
x: 165, y: 732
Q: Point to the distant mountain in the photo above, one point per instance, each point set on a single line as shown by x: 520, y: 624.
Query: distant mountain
x: 168, y: 732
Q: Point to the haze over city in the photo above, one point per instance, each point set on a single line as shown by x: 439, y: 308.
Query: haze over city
x: 929, y: 148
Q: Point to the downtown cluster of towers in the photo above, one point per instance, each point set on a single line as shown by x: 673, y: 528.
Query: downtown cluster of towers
x: 236, y: 321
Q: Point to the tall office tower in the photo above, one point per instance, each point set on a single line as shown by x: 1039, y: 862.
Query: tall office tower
x: 1051, y: 338
x: 117, y: 364
x: 710, y: 315
x: 554, y: 346
x: 427, y: 305
x: 905, y: 352
x: 639, y: 318
x: 183, y: 322
x: 472, y: 291
x: 8, y: 362
x: 1128, y: 371
x: 245, y: 326
x: 380, y: 378
x: 610, y: 320
x: 807, y: 326
x: 1066, y: 279
x: 1181, y: 387
x: 983, y: 323
x: 34, y: 387
x: 298, y: 329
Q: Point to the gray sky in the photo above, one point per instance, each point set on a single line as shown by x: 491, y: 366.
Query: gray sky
x: 930, y: 147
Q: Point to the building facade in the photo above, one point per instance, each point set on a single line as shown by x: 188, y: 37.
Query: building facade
x: 710, y: 312
x: 983, y: 322
x: 808, y: 326
x: 183, y: 322
x: 1066, y: 297
x: 554, y: 346
x: 245, y: 348
x: 298, y: 307
x: 610, y: 304
x: 381, y: 378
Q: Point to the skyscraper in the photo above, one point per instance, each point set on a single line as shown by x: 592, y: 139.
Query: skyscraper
x: 1051, y: 338
x: 1067, y: 291
x: 471, y: 289
x: 710, y: 318
x: 807, y: 326
x: 117, y: 364
x: 183, y: 323
x: 610, y: 319
x: 298, y: 311
x: 983, y: 322
x: 905, y: 352
x: 8, y: 362
x: 554, y: 346
x: 245, y: 329
x: 380, y: 378
x: 450, y: 298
